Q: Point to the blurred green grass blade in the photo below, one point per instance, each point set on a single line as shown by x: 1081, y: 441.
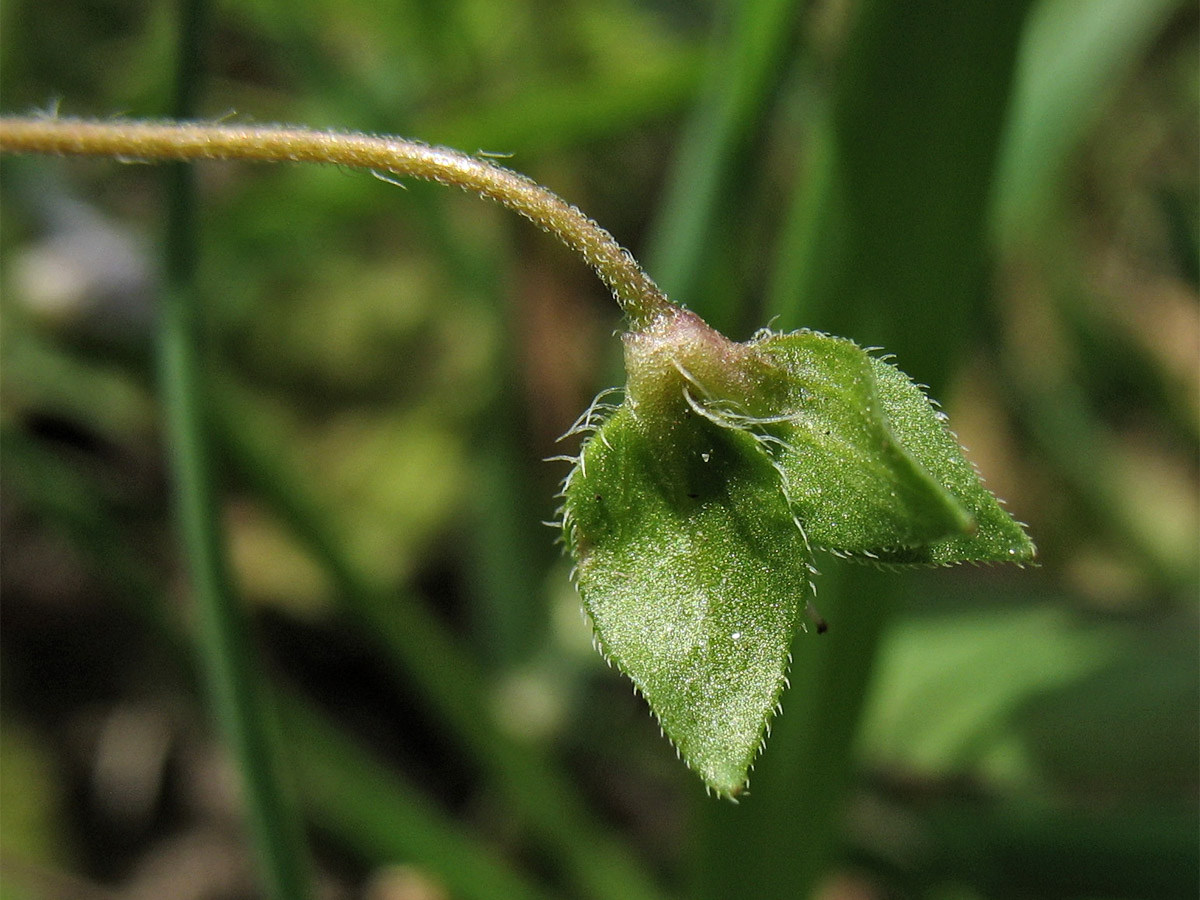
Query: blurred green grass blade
x: 454, y: 685
x: 1026, y: 850
x: 810, y: 260
x: 744, y: 72
x: 375, y: 91
x: 382, y: 819
x: 223, y: 631
x: 948, y: 682
x: 1072, y: 57
x: 226, y: 649
x: 507, y: 559
x: 1085, y: 456
x: 1091, y: 733
x: 550, y: 116
x: 901, y: 183
x: 1046, y: 707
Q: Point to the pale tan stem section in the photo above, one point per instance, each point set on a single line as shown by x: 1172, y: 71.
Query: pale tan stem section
x: 638, y: 295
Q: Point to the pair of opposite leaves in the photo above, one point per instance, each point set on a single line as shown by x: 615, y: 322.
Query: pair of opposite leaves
x: 694, y: 506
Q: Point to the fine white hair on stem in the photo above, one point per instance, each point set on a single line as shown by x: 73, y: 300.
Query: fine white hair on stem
x: 388, y: 157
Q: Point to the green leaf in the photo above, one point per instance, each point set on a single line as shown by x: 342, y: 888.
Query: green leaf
x: 693, y: 572
x: 691, y: 509
x: 869, y: 465
x: 995, y: 535
x: 850, y: 479
x: 1073, y: 57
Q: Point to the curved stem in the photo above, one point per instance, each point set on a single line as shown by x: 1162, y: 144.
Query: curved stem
x: 638, y: 295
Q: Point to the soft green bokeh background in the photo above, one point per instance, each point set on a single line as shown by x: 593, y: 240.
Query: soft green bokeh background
x: 1003, y: 195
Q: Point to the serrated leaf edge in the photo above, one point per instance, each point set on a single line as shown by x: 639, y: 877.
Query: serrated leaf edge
x: 589, y: 425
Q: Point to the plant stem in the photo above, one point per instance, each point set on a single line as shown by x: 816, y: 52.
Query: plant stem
x: 637, y: 294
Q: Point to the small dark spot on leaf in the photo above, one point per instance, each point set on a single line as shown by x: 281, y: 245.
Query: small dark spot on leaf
x: 815, y: 617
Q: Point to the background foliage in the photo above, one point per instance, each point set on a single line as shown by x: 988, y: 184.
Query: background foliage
x: 1002, y: 195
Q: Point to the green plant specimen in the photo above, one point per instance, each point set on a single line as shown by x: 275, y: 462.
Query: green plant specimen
x: 694, y: 506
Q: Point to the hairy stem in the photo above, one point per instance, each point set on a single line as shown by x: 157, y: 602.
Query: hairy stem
x: 638, y: 295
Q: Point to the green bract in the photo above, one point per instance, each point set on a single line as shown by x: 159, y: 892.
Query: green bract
x: 693, y: 509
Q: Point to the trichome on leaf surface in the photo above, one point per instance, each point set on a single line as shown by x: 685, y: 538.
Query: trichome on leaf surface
x: 694, y: 505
